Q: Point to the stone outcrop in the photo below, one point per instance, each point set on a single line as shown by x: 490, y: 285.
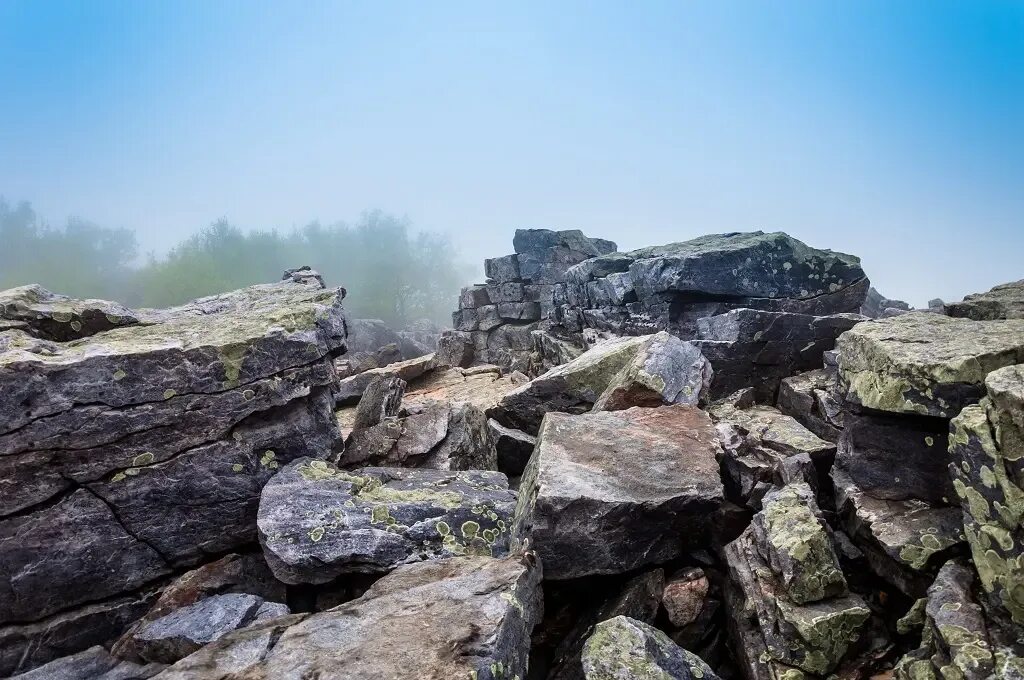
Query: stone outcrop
x: 317, y: 522
x: 609, y: 492
x: 1002, y: 302
x: 136, y: 450
x: 456, y: 618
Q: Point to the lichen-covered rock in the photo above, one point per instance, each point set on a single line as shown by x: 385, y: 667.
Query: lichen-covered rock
x: 183, y: 631
x: 608, y: 492
x: 457, y: 618
x: 382, y: 399
x: 957, y: 641
x: 615, y: 373
x: 797, y: 545
x: 94, y: 663
x: 926, y: 364
x: 624, y: 649
x: 987, y: 466
x: 316, y: 521
x: 1005, y: 301
x: 904, y: 541
x: 61, y: 318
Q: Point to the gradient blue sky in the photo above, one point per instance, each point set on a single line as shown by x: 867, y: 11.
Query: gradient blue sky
x: 892, y: 130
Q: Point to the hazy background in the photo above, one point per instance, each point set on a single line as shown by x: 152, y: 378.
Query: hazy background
x: 891, y: 130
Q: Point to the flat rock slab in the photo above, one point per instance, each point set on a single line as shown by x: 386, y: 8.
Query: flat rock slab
x: 94, y: 663
x: 351, y: 389
x: 923, y: 363
x: 317, y: 522
x: 608, y: 492
x: 625, y: 649
x: 58, y: 317
x: 1002, y: 302
x: 458, y: 618
x: 481, y: 386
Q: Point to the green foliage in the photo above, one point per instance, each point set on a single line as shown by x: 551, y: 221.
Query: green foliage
x: 389, y: 273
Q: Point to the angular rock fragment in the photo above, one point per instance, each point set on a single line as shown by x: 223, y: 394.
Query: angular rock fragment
x: 61, y: 318
x: 1005, y: 301
x: 185, y: 630
x: 513, y: 447
x: 94, y: 663
x: 455, y: 349
x: 987, y: 466
x: 609, y: 492
x: 615, y: 373
x: 904, y: 541
x: 926, y: 364
x: 351, y: 388
x: 317, y: 522
x: 382, y: 399
x: 809, y: 398
x: 624, y: 649
x: 481, y: 386
x: 457, y: 618
x: 683, y: 597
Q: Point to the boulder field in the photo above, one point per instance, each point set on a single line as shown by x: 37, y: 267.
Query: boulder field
x: 725, y: 458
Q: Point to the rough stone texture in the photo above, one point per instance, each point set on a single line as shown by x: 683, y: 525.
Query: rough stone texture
x: 1005, y: 301
x: 437, y: 435
x: 317, y: 522
x: 455, y: 349
x: 926, y: 364
x: 769, y: 628
x: 749, y: 347
x: 513, y: 447
x: 957, y: 640
x: 683, y: 597
x: 612, y: 491
x: 94, y: 663
x: 987, y: 466
x: 625, y: 649
x: 904, y: 541
x: 351, y: 389
x: 480, y: 386
x: 646, y: 370
x: 876, y: 305
x: 183, y: 631
x: 456, y: 618
x: 809, y: 398
x: 382, y: 399
x: 60, y: 318
x: 639, y: 598
x: 797, y: 545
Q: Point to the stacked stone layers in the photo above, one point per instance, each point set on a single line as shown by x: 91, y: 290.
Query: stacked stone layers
x: 132, y: 447
x: 500, y: 314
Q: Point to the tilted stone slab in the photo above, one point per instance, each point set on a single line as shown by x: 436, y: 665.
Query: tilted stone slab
x: 608, y: 492
x: 922, y: 363
x: 624, y: 648
x: 317, y: 522
x: 466, y: 617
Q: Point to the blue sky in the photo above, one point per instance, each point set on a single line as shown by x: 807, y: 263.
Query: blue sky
x: 892, y: 130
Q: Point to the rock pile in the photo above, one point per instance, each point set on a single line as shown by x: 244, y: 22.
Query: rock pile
x: 695, y: 461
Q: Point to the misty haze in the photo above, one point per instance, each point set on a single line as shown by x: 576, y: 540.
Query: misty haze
x: 523, y: 341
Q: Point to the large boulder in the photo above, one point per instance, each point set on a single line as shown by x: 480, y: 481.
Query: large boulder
x: 925, y: 364
x: 624, y: 649
x: 317, y: 522
x: 458, y: 618
x: 609, y: 492
x: 614, y: 374
x: 1005, y: 301
x: 141, y: 449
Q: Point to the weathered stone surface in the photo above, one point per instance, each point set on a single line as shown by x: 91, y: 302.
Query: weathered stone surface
x: 1005, y: 301
x: 648, y: 369
x: 625, y: 649
x: 61, y: 318
x: 538, y: 240
x: 877, y: 306
x: 749, y: 347
x: 926, y: 364
x: 382, y: 399
x: 183, y: 631
x: 897, y: 457
x: 904, y: 541
x: 809, y: 398
x: 957, y: 640
x: 513, y: 447
x: 987, y: 466
x: 94, y: 663
x: 351, y: 389
x: 770, y: 630
x: 683, y: 597
x: 317, y: 522
x: 612, y: 491
x: 455, y: 349
x: 456, y: 618
x: 502, y: 269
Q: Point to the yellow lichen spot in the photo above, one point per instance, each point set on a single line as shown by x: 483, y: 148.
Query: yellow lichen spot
x: 316, y: 534
x: 143, y: 459
x: 119, y: 374
x: 76, y: 326
x: 470, y: 529
x: 237, y: 467
x: 929, y: 441
x: 248, y: 395
x: 169, y: 393
x: 131, y: 472
x: 118, y: 477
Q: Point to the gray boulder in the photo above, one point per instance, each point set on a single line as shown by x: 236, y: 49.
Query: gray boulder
x: 609, y: 492
x: 1005, y: 301
x: 94, y: 663
x: 809, y: 397
x: 60, y: 318
x: 624, y: 649
x: 382, y: 399
x: 458, y: 618
x: 317, y: 522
